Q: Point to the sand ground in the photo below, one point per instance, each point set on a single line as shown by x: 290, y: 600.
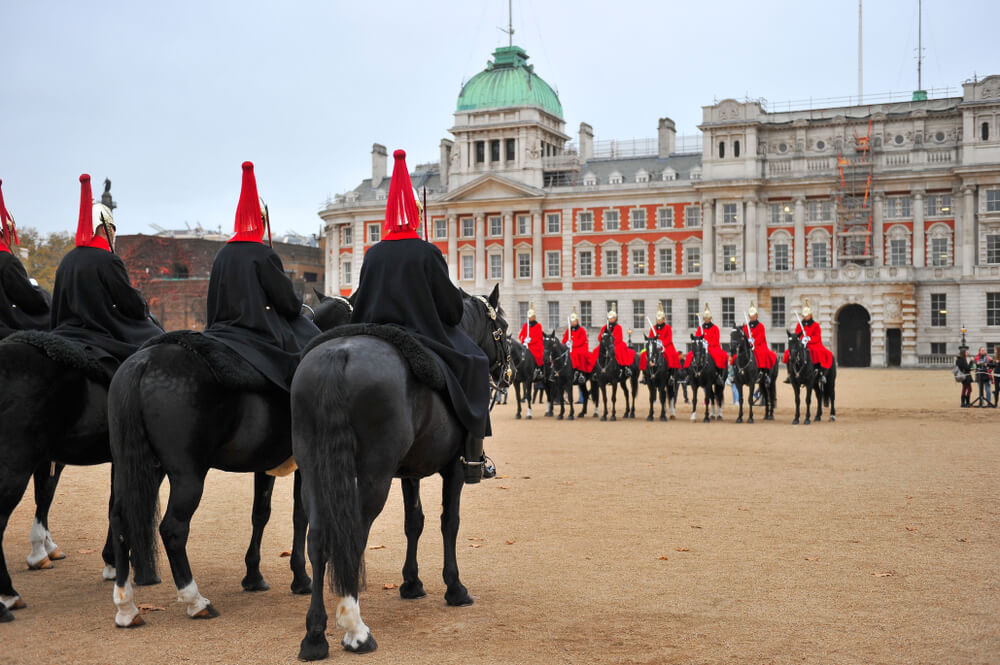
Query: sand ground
x: 870, y: 540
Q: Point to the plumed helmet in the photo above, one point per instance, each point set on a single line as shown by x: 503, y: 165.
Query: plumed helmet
x: 660, y: 314
x: 251, y: 220
x: 402, y: 212
x: 753, y: 310
x: 707, y: 314
x: 531, y: 310
x: 807, y: 310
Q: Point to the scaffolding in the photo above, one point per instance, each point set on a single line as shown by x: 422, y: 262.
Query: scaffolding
x: 853, y: 231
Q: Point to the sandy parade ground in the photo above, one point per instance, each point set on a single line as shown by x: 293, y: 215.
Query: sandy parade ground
x: 875, y: 539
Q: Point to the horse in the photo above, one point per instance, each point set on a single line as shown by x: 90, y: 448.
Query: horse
x: 802, y: 373
x: 524, y: 376
x: 558, y: 372
x: 608, y: 371
x: 704, y: 373
x: 360, y: 417
x: 659, y: 377
x: 745, y: 372
x: 172, y: 414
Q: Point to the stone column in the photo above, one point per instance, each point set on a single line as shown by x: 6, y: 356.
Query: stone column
x: 357, y: 251
x: 333, y: 261
x: 918, y: 230
x: 750, y: 240
x: 508, y: 252
x: 567, y: 250
x: 763, y: 251
x: 799, y: 217
x: 480, y: 256
x: 707, y: 240
x: 968, y: 239
x: 878, y: 242
x: 536, y: 249
x: 453, y: 248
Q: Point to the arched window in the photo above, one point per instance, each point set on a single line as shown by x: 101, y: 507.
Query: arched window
x: 986, y: 131
x: 722, y: 149
x: 736, y: 149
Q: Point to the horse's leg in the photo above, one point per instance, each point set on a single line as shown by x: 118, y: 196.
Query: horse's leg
x: 45, y: 490
x: 314, y: 645
x: 568, y: 391
x: 301, y: 584
x: 694, y: 401
x: 412, y: 587
x: 795, y: 389
x: 530, y: 390
x: 263, y: 486
x: 108, y: 553
x: 604, y: 398
x: 12, y: 486
x: 831, y: 391
x: 750, y: 386
x: 517, y: 398
x: 820, y: 389
x: 451, y: 497
x: 650, y: 384
x: 739, y: 390
x: 809, y: 393
x: 185, y: 495
x: 709, y: 398
x: 614, y: 400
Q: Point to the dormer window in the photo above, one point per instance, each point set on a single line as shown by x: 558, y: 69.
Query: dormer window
x: 615, y: 178
x: 642, y: 176
x: 589, y: 180
x: 669, y: 174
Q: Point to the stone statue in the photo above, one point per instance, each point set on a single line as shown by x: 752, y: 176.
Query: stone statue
x: 106, y: 196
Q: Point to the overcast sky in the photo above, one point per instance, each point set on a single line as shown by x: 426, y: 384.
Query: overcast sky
x: 167, y: 99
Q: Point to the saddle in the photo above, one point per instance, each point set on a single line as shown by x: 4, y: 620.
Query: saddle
x: 422, y: 362
x: 63, y: 351
x: 228, y: 368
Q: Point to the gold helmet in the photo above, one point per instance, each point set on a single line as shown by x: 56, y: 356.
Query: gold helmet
x: 752, y: 311
x: 612, y: 314
x: 660, y: 315
x: 707, y: 314
x: 531, y: 310
x: 807, y: 310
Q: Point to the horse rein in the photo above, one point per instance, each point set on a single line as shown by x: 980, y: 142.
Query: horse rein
x: 502, y: 364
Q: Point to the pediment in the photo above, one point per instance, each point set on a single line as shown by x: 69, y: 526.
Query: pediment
x: 491, y: 188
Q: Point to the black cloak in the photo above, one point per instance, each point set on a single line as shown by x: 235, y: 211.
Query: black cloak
x: 22, y: 306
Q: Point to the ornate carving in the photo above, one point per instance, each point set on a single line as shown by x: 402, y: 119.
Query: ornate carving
x: 534, y: 151
x: 852, y: 271
x: 989, y: 91
x: 893, y: 308
x: 456, y: 156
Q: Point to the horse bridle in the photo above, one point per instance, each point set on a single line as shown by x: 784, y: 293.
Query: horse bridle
x: 799, y: 363
x: 502, y: 364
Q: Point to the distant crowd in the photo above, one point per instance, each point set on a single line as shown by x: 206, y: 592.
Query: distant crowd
x: 981, y: 369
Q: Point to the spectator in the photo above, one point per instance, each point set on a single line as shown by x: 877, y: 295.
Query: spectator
x: 963, y: 374
x: 996, y: 375
x: 984, y: 366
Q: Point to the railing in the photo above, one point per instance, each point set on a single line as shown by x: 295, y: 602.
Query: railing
x: 897, y: 159
x: 779, y: 168
x: 647, y: 147
x: 567, y: 160
x: 936, y: 359
x: 821, y: 164
x: 940, y: 156
x: 850, y: 100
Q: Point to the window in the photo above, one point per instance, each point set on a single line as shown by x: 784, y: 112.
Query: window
x: 778, y: 347
x: 441, y: 228
x: 778, y: 312
x: 819, y: 255
x: 665, y: 261
x: 818, y: 211
x: 589, y: 180
x: 585, y: 221
x: 495, y: 151
x: 939, y: 348
x: 586, y: 265
x: 637, y: 219
x: 468, y: 266
x: 939, y: 310
x: 937, y: 205
x: 345, y: 270
x: 692, y: 312
x: 985, y: 131
x: 310, y: 277
x: 897, y: 252
x: 692, y: 260
x: 468, y: 227
x: 722, y: 149
x: 642, y: 176
x: 611, y: 305
x: 993, y: 200
x: 611, y: 220
x: 610, y: 262
x: 615, y: 178
x: 638, y: 266
x: 993, y: 249
x: 553, y: 315
x: 586, y: 313
x: 736, y: 148
x: 509, y: 143
x: 665, y: 218
x: 729, y: 258
x: 552, y: 264
x: 729, y: 213
x: 480, y: 152
x: 496, y: 226
x: 939, y: 252
x: 781, y: 213
x: 347, y: 236
x: 993, y: 309
x: 374, y: 232
x: 638, y: 314
x: 692, y: 216
x: 496, y: 266
x: 553, y: 223
x: 781, y: 256
x: 523, y: 265
x: 729, y: 312
x: 522, y: 310
x: 897, y: 207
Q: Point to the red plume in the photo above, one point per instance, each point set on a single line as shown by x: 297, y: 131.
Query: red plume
x: 401, y: 214
x: 4, y: 216
x: 85, y: 226
x: 249, y: 223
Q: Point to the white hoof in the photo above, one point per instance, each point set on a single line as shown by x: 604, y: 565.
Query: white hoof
x: 694, y: 416
x: 109, y: 573
x: 349, y: 619
x: 195, y: 601
x: 10, y: 601
x: 125, y: 602
x: 38, y: 553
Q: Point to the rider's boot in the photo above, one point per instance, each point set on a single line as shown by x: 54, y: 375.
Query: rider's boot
x: 474, y: 461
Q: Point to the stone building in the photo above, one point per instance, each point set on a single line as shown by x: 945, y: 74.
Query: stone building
x: 886, y: 216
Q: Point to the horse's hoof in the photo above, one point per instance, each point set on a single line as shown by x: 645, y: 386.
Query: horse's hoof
x: 5, y: 614
x: 571, y: 417
x: 548, y: 415
x: 833, y: 418
x: 44, y: 564
x: 19, y: 604
x: 412, y: 590
x: 817, y: 419
x: 795, y: 422
x: 301, y: 587
x: 603, y: 418
x: 367, y: 646
x: 458, y: 597
x: 706, y: 419
x: 314, y: 648
x: 255, y: 585
x: 614, y: 418
x: 739, y: 419
x: 595, y: 415
x: 208, y: 613
x: 517, y: 416
x: 528, y: 417
x: 807, y: 421
x: 649, y: 417
x: 749, y: 420
x: 559, y: 417
x: 134, y: 623
x: 56, y: 555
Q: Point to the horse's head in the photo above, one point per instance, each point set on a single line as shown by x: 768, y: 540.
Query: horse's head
x: 331, y: 311
x: 738, y: 339
x: 484, y: 321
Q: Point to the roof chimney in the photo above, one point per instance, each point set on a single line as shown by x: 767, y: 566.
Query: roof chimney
x: 379, y: 159
x: 667, y: 138
x: 586, y: 142
x: 445, y: 165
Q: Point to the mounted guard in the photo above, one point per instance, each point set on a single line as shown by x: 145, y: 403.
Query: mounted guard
x: 531, y: 337
x: 624, y: 355
x: 23, y: 306
x: 665, y: 334
x: 576, y: 338
x: 809, y: 331
x: 709, y: 332
x: 754, y: 330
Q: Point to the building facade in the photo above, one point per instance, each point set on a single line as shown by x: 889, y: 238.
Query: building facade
x: 885, y: 216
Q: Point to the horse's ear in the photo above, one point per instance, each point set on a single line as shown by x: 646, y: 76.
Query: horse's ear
x: 320, y: 295
x: 494, y: 297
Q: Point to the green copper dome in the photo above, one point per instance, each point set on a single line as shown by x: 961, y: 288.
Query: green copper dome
x: 508, y: 81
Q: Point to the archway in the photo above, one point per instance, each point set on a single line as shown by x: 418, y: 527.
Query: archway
x: 854, y: 337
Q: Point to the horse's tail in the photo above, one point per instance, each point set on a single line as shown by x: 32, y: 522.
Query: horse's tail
x: 322, y: 425
x: 136, y: 478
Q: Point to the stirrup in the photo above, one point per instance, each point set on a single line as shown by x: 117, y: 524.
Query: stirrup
x: 474, y: 471
x: 489, y: 468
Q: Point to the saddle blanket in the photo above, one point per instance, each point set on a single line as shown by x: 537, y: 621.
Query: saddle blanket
x: 229, y: 369
x: 63, y: 351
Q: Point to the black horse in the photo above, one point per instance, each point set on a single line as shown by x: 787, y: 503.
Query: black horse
x: 558, y: 372
x: 524, y: 376
x: 361, y: 417
x: 659, y: 379
x: 704, y: 373
x: 746, y: 373
x: 608, y: 371
x: 172, y: 414
x: 803, y: 374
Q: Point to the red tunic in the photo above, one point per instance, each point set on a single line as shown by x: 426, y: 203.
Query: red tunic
x: 536, y: 344
x: 623, y: 354
x: 666, y: 337
x: 711, y: 335
x: 819, y: 354
x: 579, y: 350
